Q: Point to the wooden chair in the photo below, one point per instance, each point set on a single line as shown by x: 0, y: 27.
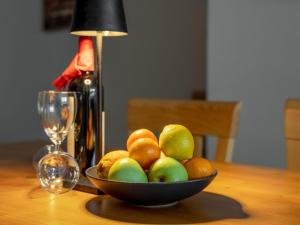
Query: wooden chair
x: 203, y: 118
x: 292, y: 133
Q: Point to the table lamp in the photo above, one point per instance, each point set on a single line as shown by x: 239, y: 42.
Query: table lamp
x: 99, y: 18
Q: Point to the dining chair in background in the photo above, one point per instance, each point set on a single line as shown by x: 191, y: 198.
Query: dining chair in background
x: 292, y: 133
x: 202, y: 118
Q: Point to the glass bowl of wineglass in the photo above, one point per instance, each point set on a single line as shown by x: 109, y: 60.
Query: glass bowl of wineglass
x: 58, y: 172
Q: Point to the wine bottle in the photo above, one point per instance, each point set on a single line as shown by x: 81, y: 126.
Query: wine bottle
x: 83, y: 142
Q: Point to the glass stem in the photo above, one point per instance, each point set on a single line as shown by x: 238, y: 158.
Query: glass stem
x: 57, y: 147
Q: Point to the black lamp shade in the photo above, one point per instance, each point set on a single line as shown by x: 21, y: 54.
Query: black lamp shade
x: 92, y: 16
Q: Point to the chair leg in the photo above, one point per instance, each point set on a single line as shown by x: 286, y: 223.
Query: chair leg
x: 224, y: 149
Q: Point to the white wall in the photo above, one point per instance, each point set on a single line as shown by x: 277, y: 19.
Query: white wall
x: 163, y: 56
x: 253, y: 56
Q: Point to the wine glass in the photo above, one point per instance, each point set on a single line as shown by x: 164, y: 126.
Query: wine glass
x: 57, y: 111
x: 58, y: 172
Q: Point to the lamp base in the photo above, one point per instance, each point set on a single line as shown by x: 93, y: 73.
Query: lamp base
x: 84, y: 185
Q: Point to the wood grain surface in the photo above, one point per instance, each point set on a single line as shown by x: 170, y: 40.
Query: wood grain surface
x: 239, y: 195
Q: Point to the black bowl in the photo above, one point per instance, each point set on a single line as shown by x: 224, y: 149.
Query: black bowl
x: 149, y: 194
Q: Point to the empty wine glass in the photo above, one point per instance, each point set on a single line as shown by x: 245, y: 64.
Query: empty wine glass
x: 58, y: 172
x: 57, y: 111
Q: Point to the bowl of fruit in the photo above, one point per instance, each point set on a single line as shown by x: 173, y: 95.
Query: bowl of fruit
x: 153, y: 172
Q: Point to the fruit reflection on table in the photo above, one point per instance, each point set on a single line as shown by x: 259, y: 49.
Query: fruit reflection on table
x: 148, y: 159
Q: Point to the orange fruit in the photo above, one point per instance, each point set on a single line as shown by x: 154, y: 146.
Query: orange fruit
x: 198, y: 167
x: 145, y: 151
x: 108, y: 160
x: 141, y: 133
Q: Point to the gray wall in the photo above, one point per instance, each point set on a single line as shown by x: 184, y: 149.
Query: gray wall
x: 253, y: 56
x: 29, y: 59
x: 163, y: 57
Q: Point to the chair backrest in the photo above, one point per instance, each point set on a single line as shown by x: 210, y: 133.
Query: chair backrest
x: 292, y: 133
x: 202, y: 118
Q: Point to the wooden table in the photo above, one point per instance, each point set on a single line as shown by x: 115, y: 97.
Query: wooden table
x: 238, y: 195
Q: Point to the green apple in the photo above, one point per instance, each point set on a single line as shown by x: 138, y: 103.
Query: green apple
x: 128, y: 170
x: 176, y: 141
x: 167, y: 170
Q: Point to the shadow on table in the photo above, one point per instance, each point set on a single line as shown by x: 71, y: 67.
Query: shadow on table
x: 204, y: 207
